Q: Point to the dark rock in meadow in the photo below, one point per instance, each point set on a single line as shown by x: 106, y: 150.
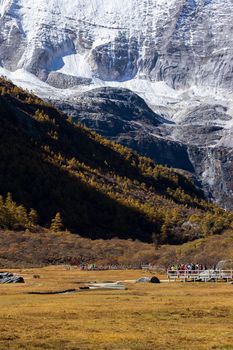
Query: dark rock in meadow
x: 155, y: 279
x: 7, y: 277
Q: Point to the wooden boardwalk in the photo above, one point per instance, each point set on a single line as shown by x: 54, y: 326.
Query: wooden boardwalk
x: 200, y: 275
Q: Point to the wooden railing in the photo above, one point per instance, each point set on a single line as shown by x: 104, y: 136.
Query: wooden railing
x: 200, y: 275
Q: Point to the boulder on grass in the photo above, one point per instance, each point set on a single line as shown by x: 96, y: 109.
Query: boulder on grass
x: 143, y: 280
x: 7, y: 277
x: 154, y: 279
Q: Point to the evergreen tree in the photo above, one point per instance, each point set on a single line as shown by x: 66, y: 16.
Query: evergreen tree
x: 10, y: 212
x: 32, y: 218
x: 21, y: 217
x: 56, y: 223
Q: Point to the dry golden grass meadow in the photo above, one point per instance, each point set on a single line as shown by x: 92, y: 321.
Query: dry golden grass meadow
x: 144, y: 317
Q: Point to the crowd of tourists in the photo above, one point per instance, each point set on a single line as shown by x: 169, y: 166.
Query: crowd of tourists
x: 187, y: 267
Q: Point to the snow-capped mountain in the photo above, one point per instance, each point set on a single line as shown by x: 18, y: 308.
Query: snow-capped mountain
x: 176, y: 54
x: 181, y: 42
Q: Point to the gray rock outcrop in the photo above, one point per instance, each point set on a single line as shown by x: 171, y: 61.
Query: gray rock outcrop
x: 124, y: 117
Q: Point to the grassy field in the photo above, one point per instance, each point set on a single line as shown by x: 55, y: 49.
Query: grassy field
x: 146, y: 316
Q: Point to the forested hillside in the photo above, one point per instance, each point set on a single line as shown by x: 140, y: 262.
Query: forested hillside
x: 101, y: 189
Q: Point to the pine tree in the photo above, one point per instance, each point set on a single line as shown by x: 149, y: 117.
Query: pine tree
x: 21, y: 217
x: 32, y: 219
x: 56, y: 224
x: 10, y: 212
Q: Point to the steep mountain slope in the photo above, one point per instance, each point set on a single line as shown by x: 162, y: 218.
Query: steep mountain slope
x: 193, y: 144
x: 176, y: 54
x: 102, y: 189
x: 124, y: 117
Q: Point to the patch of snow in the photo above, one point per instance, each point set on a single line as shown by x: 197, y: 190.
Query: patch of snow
x: 76, y: 65
x: 227, y: 139
x: 4, y: 4
x: 26, y: 80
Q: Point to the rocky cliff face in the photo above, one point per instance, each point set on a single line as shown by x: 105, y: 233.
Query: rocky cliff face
x: 124, y: 117
x: 176, y: 54
x: 182, y: 42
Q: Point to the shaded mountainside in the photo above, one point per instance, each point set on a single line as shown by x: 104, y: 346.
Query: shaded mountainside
x: 102, y: 189
x: 193, y: 143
